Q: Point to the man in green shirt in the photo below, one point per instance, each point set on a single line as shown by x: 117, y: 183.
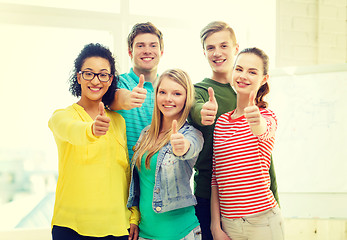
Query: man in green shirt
x: 214, y: 96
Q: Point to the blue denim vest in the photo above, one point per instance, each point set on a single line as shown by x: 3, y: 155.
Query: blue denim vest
x: 172, y: 175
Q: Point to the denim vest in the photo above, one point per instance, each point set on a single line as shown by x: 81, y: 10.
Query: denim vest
x: 172, y: 175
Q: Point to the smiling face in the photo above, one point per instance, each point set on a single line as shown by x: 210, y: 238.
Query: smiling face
x: 171, y: 98
x: 94, y: 90
x: 145, y: 53
x: 248, y: 73
x: 220, y: 51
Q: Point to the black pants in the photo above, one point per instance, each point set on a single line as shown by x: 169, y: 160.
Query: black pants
x: 64, y: 233
x: 203, y: 212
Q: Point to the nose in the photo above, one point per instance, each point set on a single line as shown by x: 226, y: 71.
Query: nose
x: 243, y: 75
x: 146, y: 49
x: 169, y: 98
x: 95, y: 80
x: 217, y: 53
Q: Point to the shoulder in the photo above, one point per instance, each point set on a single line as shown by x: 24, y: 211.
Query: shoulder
x: 114, y: 115
x: 70, y: 110
x: 126, y: 80
x: 188, y: 129
x: 267, y: 112
x: 203, y: 85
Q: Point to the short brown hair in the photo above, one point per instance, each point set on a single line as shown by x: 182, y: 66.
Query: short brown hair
x: 140, y: 28
x: 214, y: 27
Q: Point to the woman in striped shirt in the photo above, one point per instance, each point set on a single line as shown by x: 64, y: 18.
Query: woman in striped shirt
x: 243, y: 141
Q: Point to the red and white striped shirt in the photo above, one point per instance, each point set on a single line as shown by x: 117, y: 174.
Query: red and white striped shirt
x: 241, y: 163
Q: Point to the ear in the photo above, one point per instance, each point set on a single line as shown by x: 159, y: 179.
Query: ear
x: 130, y: 52
x: 237, y: 48
x: 266, y: 77
x: 110, y: 81
x: 78, y: 78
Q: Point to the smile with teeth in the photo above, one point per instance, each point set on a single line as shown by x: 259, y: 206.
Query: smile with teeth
x: 242, y: 83
x: 147, y: 59
x: 95, y: 89
x: 168, y: 106
x: 219, y: 61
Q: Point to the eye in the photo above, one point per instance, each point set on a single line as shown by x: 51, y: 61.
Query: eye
x: 178, y: 94
x: 253, y: 72
x: 103, y: 75
x: 154, y: 45
x: 224, y: 46
x: 161, y: 92
x: 88, y: 74
x: 238, y: 69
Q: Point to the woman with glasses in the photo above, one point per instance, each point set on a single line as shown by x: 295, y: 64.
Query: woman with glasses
x: 92, y: 187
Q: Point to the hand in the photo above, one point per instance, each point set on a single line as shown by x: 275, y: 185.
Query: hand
x: 220, y: 235
x: 179, y: 144
x: 138, y: 94
x: 134, y: 232
x: 252, y: 112
x: 101, y: 122
x: 209, y: 109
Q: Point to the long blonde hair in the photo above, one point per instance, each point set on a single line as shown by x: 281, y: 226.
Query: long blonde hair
x: 148, y: 141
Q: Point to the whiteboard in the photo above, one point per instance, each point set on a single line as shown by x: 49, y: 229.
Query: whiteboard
x: 310, y: 153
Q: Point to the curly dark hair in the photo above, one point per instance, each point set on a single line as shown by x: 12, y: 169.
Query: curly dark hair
x: 94, y: 50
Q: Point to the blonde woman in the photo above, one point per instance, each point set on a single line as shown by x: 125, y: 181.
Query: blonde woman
x: 163, y: 162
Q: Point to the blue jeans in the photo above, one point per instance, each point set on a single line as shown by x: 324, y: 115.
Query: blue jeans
x: 64, y: 233
x: 203, y: 212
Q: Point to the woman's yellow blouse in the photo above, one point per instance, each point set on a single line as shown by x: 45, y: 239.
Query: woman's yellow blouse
x: 93, y: 182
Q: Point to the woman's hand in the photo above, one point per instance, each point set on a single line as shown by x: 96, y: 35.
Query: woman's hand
x: 134, y: 232
x: 179, y: 144
x: 101, y: 122
x: 253, y: 116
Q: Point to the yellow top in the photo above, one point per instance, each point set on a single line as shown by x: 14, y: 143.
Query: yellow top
x: 94, y: 174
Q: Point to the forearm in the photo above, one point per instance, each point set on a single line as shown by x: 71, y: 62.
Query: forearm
x: 215, y: 209
x: 120, y: 101
x: 195, y: 114
x: 260, y: 128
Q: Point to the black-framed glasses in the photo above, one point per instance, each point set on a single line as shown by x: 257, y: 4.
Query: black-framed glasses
x: 88, y: 75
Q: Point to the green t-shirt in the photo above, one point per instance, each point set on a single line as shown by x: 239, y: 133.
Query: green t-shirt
x: 171, y: 225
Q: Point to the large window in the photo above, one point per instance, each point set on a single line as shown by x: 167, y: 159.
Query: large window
x: 39, y: 42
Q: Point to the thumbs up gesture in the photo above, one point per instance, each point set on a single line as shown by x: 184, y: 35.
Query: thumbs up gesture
x: 252, y: 114
x: 209, y: 109
x: 101, y: 122
x: 179, y: 144
x: 138, y: 94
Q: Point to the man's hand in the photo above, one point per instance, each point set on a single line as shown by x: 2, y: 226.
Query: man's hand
x: 209, y: 109
x: 138, y: 95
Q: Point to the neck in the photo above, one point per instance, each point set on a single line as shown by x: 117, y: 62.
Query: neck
x: 91, y: 107
x: 166, y: 125
x: 150, y: 75
x: 223, y: 78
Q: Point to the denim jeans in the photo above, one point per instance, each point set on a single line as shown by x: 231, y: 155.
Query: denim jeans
x: 195, y: 234
x: 267, y: 225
